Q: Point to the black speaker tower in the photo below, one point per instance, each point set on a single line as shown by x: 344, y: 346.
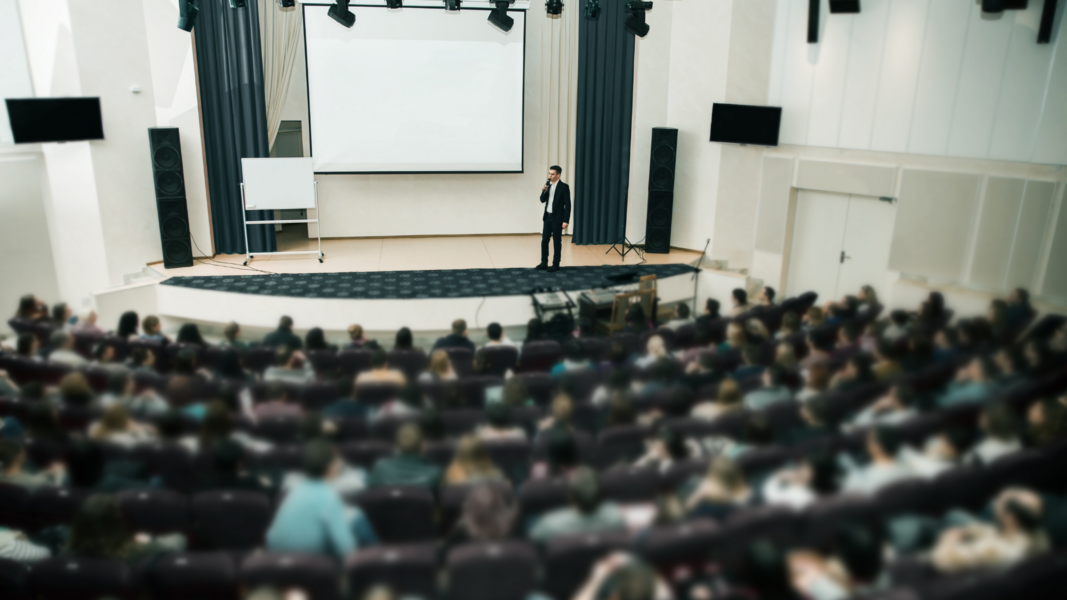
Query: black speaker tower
x: 169, y: 181
x: 661, y: 190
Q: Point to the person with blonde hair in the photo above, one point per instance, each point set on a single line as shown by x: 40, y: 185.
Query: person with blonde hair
x: 721, y: 491
x: 814, y: 318
x: 115, y: 426
x: 655, y: 349
x: 472, y: 464
x: 86, y: 323
x: 736, y: 337
x: 440, y: 368
x: 729, y: 399
x: 356, y: 339
x: 785, y: 356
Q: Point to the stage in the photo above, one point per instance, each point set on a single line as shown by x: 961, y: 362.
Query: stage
x: 388, y: 283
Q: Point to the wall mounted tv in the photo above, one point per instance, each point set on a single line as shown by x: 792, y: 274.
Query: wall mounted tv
x: 745, y: 124
x: 36, y: 120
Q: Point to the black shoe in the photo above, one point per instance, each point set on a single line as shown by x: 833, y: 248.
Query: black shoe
x: 553, y: 268
x: 541, y: 267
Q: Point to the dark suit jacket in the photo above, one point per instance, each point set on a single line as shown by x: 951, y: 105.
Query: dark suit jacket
x: 561, y: 204
x: 283, y: 337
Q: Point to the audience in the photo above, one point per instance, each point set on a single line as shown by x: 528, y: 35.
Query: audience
x: 62, y: 344
x: 99, y: 531
x: 408, y: 468
x: 896, y: 406
x: 471, y: 464
x: 681, y: 317
x: 231, y: 337
x: 440, y: 368
x: 356, y: 339
x: 456, y: 339
x: 1017, y: 535
x: 883, y: 444
x: 283, y: 335
x: 722, y: 491
x: 380, y: 371
x: 496, y: 336
x: 771, y: 392
x: 290, y: 366
x: 729, y: 399
x: 152, y: 329
x: 488, y: 515
x: 587, y: 513
x: 739, y: 297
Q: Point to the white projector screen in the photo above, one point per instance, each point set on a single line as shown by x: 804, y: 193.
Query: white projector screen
x: 414, y: 90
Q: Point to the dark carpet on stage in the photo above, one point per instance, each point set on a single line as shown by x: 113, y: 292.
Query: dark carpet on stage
x: 459, y: 283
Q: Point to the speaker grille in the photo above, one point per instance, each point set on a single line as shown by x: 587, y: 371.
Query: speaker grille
x: 166, y: 157
x: 168, y: 183
x: 176, y: 251
x: 174, y: 226
x: 658, y: 240
x: 662, y: 177
x: 663, y: 155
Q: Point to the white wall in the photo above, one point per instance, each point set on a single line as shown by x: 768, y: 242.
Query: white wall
x: 926, y: 77
x: 15, y: 79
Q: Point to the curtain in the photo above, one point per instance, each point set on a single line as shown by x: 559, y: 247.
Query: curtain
x: 279, y: 31
x: 234, y: 116
x: 605, y: 115
x: 559, y: 89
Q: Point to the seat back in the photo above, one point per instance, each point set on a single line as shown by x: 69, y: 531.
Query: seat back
x: 13, y: 506
x: 568, y: 561
x: 409, y: 569
x: 80, y: 579
x: 376, y: 393
x: 55, y: 506
x: 619, y: 444
x: 231, y: 520
x: 155, y: 512
x: 499, y: 359
x: 400, y: 515
x: 462, y: 360
x: 352, y: 361
x: 690, y: 542
x: 491, y: 571
x: 538, y: 496
x: 324, y: 361
x: 539, y: 355
x: 201, y: 575
x: 539, y: 386
x: 630, y: 484
x: 316, y: 576
x: 410, y: 361
x: 365, y: 453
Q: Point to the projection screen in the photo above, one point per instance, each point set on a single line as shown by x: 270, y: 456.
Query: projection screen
x: 414, y: 90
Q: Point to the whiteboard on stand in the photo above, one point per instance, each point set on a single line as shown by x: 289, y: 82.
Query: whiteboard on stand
x: 278, y: 183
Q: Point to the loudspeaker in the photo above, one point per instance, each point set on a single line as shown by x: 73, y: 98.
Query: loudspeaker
x: 844, y: 6
x: 169, y: 178
x: 661, y: 190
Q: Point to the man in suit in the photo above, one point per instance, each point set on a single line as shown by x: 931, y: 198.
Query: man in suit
x: 283, y: 335
x: 556, y: 196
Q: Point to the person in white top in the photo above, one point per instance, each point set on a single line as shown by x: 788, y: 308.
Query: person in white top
x: 883, y: 444
x: 1000, y: 426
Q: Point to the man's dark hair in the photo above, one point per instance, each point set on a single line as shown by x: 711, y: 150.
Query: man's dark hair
x: 769, y: 292
x: 960, y: 438
x: 9, y: 451
x: 584, y: 490
x: 403, y: 339
x: 459, y: 326
x: 494, y: 331
x: 819, y: 409
x: 1027, y: 518
x: 889, y: 439
x: 712, y: 306
x: 24, y: 345
x: 558, y: 169
x: 282, y: 355
x: 498, y: 415
x: 378, y: 359
x: 574, y: 351
x: 316, y: 458
x: 116, y: 382
x: 682, y: 310
x: 285, y: 322
x: 618, y: 379
x: 85, y: 463
x: 431, y: 425
x: 860, y: 549
x: 758, y: 431
x: 740, y: 295
x: 765, y: 569
x: 899, y: 317
x: 1001, y: 420
x: 862, y: 364
x: 562, y: 448
x: 679, y: 402
x: 1023, y: 294
x: 821, y: 340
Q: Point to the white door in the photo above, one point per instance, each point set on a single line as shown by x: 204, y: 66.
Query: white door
x: 868, y: 235
x: 818, y: 231
x: 840, y: 243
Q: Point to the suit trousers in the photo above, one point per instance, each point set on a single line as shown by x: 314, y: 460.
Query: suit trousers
x: 553, y: 230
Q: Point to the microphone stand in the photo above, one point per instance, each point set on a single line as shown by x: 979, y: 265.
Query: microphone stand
x: 697, y: 272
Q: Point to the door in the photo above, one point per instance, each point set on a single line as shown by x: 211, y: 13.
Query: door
x: 289, y: 143
x: 840, y: 243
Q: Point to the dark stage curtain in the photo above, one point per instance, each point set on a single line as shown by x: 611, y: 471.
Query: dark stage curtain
x: 605, y: 111
x: 233, y: 105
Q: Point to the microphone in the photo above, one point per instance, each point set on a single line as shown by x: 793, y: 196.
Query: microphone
x: 548, y: 182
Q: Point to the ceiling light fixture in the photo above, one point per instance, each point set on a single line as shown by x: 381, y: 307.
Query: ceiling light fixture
x: 554, y: 7
x: 339, y: 12
x: 499, y: 15
x: 592, y: 9
x: 635, y: 23
x: 452, y: 4
x: 187, y: 15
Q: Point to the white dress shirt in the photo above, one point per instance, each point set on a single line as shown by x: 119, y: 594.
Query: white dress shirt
x: 551, y: 196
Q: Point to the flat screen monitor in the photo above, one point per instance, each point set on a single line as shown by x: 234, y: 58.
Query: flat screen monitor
x: 36, y: 120
x: 745, y: 124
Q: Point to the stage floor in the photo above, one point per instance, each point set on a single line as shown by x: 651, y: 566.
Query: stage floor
x: 416, y: 253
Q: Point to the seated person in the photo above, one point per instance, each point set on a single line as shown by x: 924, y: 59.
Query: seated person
x: 667, y: 448
x: 790, y: 325
x: 798, y: 486
x: 290, y: 366
x: 855, y: 569
x: 941, y: 452
x: 471, y: 464
x: 312, y: 518
x: 820, y: 347
x: 562, y: 456
x: 750, y: 363
x: 771, y: 392
x: 278, y: 403
x: 815, y: 423
x: 13, y: 465
x: 496, y: 337
x: 898, y: 325
x: 895, y: 407
x: 99, y: 531
x: 87, y: 469
x: 973, y: 384
x: 1016, y: 536
x: 116, y: 427
x: 346, y: 406
x: 573, y: 359
x: 887, y: 363
x: 681, y: 317
x: 498, y: 425
x: 618, y: 381
x: 408, y: 468
x: 228, y: 471
x: 560, y: 417
x: 883, y: 445
x: 408, y: 402
x: 316, y: 340
x: 736, y: 338
x: 587, y: 513
x: 721, y: 491
x: 153, y: 330
x: 440, y: 368
x: 1011, y: 362
x: 855, y: 374
x: 379, y: 371
x: 1000, y: 434
x: 457, y: 339
x: 655, y: 349
x: 487, y: 516
x: 62, y: 344
x: 701, y: 372
x: 121, y: 390
x: 729, y: 399
x: 356, y: 339
x: 283, y: 335
x: 231, y: 337
x: 105, y: 356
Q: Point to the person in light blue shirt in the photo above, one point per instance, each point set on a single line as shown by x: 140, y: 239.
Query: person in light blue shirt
x: 313, y: 519
x: 973, y: 384
x: 773, y: 390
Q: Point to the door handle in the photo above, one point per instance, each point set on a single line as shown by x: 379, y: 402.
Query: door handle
x: 844, y: 257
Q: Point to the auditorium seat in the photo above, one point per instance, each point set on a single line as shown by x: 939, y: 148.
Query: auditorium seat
x: 316, y: 576
x: 462, y: 360
x: 317, y: 395
x: 410, y: 569
x: 323, y: 361
x: 629, y: 341
x: 278, y: 458
x: 511, y: 456
x: 630, y: 484
x: 363, y: 454
x: 200, y: 575
x: 54, y: 506
x: 230, y: 520
x: 278, y: 429
x: 409, y: 361
x: 690, y: 542
x: 568, y: 561
x: 13, y: 506
x: 491, y: 571
x: 155, y: 512
x: 539, y: 386
x: 258, y: 358
x: 14, y: 580
x: 539, y: 496
x: 584, y: 441
x: 620, y: 444
x: 80, y: 579
x: 595, y: 349
x: 385, y: 428
x: 822, y: 517
x: 474, y: 388
x: 376, y: 394
x: 582, y: 383
x: 400, y: 515
x: 173, y: 463
x: 500, y: 359
x: 539, y: 356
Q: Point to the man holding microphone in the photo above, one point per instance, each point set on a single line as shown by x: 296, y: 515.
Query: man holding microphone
x: 556, y: 196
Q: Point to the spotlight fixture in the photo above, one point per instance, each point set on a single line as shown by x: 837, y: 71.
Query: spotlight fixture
x: 238, y: 3
x: 499, y: 15
x: 992, y: 7
x: 844, y: 6
x: 635, y: 23
x: 554, y: 7
x: 592, y: 9
x: 452, y: 4
x: 339, y: 12
x: 394, y: 3
x: 187, y: 15
x: 286, y: 3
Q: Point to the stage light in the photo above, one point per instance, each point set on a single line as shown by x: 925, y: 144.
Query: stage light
x: 554, y: 7
x: 635, y: 23
x: 499, y: 15
x: 339, y: 12
x: 187, y: 15
x: 394, y: 3
x: 237, y: 3
x: 592, y: 9
x: 286, y: 3
x: 993, y: 6
x: 452, y: 4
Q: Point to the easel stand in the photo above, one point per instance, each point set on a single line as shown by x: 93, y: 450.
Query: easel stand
x: 244, y: 216
x: 627, y: 247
